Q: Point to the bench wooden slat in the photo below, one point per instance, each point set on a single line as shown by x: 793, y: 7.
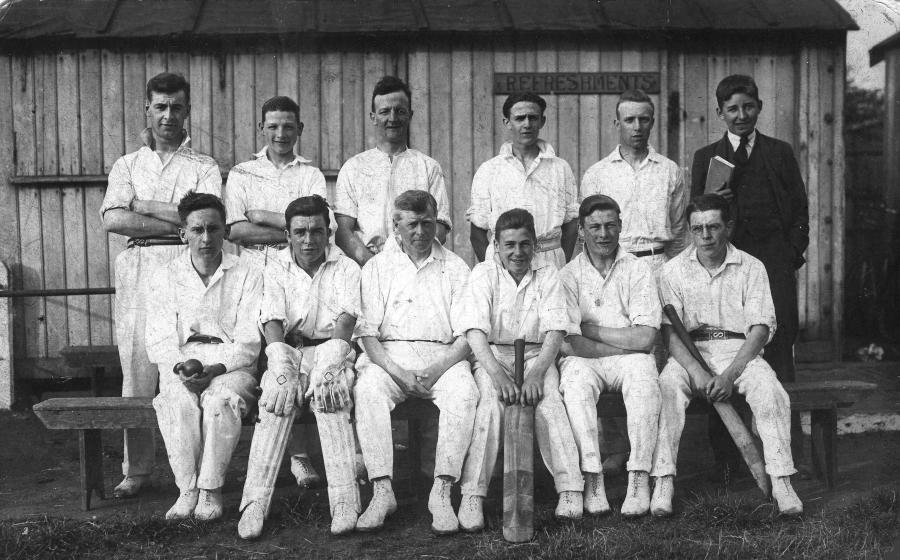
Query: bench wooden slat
x: 96, y: 413
x: 91, y: 356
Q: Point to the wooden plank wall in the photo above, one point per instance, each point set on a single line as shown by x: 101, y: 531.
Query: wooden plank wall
x: 75, y: 112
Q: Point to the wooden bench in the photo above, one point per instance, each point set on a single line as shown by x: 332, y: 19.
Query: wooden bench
x: 98, y: 359
x: 89, y: 415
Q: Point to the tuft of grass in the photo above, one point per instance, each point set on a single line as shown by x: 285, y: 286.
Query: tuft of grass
x: 708, y: 526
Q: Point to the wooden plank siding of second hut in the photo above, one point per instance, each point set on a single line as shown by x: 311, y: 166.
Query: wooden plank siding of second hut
x: 75, y: 112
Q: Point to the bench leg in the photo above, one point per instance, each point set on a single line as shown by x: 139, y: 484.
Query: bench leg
x: 824, y: 444
x: 91, y: 451
x: 414, y: 449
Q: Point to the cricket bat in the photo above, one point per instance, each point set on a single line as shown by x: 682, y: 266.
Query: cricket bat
x: 518, y: 462
x: 732, y: 420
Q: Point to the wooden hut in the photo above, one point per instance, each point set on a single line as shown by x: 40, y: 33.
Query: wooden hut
x: 888, y: 51
x: 72, y: 78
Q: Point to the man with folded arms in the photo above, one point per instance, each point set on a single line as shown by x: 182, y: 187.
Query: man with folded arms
x: 255, y: 196
x: 612, y: 296
x: 722, y: 296
x: 309, y: 310
x: 141, y: 203
x: 507, y: 298
x: 410, y: 291
x: 206, y: 307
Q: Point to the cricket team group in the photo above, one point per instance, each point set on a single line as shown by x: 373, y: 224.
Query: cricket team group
x: 355, y: 305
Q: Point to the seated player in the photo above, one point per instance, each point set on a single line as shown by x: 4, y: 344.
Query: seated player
x: 409, y: 293
x: 205, y: 307
x: 506, y: 299
x: 722, y: 296
x: 612, y: 296
x: 309, y: 310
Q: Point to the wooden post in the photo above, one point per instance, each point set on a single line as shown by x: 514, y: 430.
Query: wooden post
x: 91, y: 466
x: 7, y: 379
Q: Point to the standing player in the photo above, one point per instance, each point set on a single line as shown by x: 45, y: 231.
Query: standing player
x: 507, y: 298
x: 206, y: 307
x: 368, y: 182
x: 526, y: 174
x: 141, y: 203
x: 612, y: 294
x: 310, y: 305
x: 256, y: 194
x: 650, y: 190
x: 410, y: 291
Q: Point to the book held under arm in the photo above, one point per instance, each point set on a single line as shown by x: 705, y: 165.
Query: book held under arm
x: 719, y: 175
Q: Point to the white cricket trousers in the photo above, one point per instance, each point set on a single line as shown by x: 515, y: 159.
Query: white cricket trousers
x: 376, y: 395
x: 632, y: 375
x: 201, y: 431
x: 554, y: 434
x: 768, y: 401
x: 134, y: 268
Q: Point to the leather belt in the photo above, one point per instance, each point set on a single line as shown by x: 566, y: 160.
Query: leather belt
x: 702, y: 335
x: 649, y: 252
x: 151, y: 241
x: 202, y: 338
x: 297, y: 340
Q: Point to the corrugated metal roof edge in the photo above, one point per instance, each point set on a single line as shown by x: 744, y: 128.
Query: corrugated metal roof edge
x: 193, y: 42
x: 876, y: 53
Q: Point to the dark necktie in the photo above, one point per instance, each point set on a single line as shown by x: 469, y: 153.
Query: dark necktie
x: 741, y: 154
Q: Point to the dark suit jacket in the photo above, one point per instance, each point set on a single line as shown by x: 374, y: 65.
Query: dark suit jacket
x: 783, y: 174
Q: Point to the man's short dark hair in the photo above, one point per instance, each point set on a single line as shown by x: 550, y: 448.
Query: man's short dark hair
x: 307, y: 206
x: 516, y: 218
x: 416, y: 201
x: 636, y: 96
x: 280, y: 103
x: 168, y: 83
x: 597, y: 202
x: 736, y: 83
x: 706, y: 202
x: 193, y: 201
x: 390, y: 84
x: 526, y: 97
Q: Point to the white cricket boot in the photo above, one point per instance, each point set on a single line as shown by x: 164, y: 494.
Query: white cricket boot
x: 209, y: 506
x: 471, y: 513
x: 788, y: 501
x: 570, y: 505
x: 131, y: 486
x: 303, y: 471
x: 251, y: 524
x: 595, y: 502
x: 184, y: 505
x: 637, y: 499
x: 383, y: 504
x: 663, y: 492
x: 343, y: 519
x: 443, y: 520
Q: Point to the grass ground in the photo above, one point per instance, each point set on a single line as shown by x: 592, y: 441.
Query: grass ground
x: 40, y: 515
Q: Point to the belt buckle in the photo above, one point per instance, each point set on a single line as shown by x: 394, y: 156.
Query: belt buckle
x: 717, y: 335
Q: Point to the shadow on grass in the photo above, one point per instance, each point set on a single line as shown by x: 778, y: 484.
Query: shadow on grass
x: 708, y: 526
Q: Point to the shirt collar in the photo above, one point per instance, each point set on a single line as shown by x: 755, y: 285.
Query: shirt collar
x: 228, y: 261
x: 736, y: 140
x: 185, y: 143
x: 621, y: 254
x: 732, y: 255
x: 652, y: 154
x: 396, y: 251
x: 332, y: 254
x: 263, y: 155
x: 546, y: 150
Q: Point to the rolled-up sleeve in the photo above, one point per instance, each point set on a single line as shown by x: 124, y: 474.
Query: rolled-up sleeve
x: 479, y: 211
x: 347, y: 283
x: 119, y: 188
x: 669, y: 294
x: 210, y: 180
x: 235, y: 196
x: 569, y: 285
x: 345, y: 197
x: 758, y: 306
x: 553, y: 313
x: 643, y: 302
x: 439, y: 191
x: 475, y: 306
x: 372, y: 301
x: 273, y: 305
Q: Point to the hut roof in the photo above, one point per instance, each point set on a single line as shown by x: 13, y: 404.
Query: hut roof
x: 876, y: 53
x: 100, y: 19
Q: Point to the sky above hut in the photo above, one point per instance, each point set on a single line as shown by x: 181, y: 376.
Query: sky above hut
x: 877, y: 20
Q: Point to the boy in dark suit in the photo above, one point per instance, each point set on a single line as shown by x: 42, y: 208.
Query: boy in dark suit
x: 771, y: 223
